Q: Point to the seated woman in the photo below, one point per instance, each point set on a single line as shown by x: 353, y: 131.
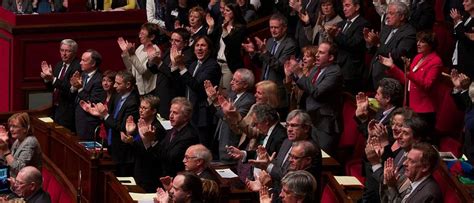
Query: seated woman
x: 26, y: 150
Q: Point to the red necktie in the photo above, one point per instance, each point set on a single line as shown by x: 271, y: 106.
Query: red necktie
x: 315, y: 76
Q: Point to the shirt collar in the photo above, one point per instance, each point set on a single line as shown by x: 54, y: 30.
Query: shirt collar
x: 354, y: 18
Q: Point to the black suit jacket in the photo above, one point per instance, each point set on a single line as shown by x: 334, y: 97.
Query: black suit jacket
x: 147, y: 171
x: 62, y: 113
x: 233, y: 42
x: 39, y: 196
x: 94, y: 93
x: 465, y: 47
x: 172, y: 153
x: 422, y: 15
x: 209, y: 70
x: 274, y: 142
x: 351, y: 61
x: 402, y: 43
x: 121, y: 152
x: 312, y: 9
x: 208, y: 174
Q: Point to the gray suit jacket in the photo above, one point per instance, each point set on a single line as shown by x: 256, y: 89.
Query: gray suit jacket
x: 223, y: 132
x: 426, y: 191
x: 279, y: 168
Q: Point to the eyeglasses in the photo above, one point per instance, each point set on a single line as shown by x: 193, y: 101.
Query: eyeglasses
x: 189, y: 157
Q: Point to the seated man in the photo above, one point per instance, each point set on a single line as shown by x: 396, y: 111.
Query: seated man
x: 197, y: 159
x: 421, y: 162
x: 298, y: 186
x: 186, y: 187
x: 27, y: 185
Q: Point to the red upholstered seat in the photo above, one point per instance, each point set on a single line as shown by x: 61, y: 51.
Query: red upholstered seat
x: 54, y: 188
x: 449, y: 144
x: 448, y: 191
x: 328, y: 195
x: 354, y: 168
x: 46, y: 178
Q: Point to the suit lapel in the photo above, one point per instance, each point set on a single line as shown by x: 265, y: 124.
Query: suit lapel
x: 417, y: 189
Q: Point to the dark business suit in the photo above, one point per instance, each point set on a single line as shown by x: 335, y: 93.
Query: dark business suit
x: 11, y: 5
x: 402, y: 43
x: 274, y: 142
x: 62, y: 113
x: 121, y: 152
x: 422, y: 14
x: 208, y: 174
x: 426, y: 191
x: 350, y: 61
x: 386, y: 193
x: 39, y: 196
x: 465, y: 46
x: 224, y: 135
x: 94, y: 93
x: 311, y: 8
x: 171, y: 153
x: 233, y: 42
x: 275, y: 62
x: 324, y: 104
x: 202, y: 118
x: 147, y: 170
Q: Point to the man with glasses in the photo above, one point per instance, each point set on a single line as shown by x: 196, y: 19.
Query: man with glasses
x: 28, y: 185
x: 197, y: 159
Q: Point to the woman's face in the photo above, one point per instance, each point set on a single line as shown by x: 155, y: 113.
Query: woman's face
x: 17, y: 130
x: 107, y: 83
x: 201, y: 49
x: 177, y: 41
x: 397, y: 124
x: 308, y: 60
x: 228, y: 14
x: 146, y: 112
x: 423, y: 47
x: 194, y: 19
x: 327, y: 8
x: 260, y: 95
x: 144, y: 38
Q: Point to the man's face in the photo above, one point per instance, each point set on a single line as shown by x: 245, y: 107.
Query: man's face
x: 350, y: 10
x: 67, y: 53
x: 177, y: 194
x: 414, y: 169
x: 191, y: 162
x: 468, y: 5
x: 381, y: 99
x: 393, y: 18
x: 201, y: 49
x: 296, y: 130
x: 323, y: 58
x: 287, y: 196
x: 405, y: 138
x: 177, y: 117
x: 121, y: 86
x: 277, y: 29
x: 87, y: 64
x: 298, y: 161
x: 194, y: 19
x: 21, y: 187
x: 237, y: 84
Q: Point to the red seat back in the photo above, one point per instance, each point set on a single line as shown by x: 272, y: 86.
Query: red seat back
x: 328, y: 195
x: 448, y: 191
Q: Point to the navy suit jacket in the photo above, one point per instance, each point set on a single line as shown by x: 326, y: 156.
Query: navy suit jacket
x: 465, y: 47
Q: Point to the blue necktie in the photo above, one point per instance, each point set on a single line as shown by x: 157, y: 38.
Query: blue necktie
x: 84, y: 80
x: 116, y: 112
x: 267, y: 69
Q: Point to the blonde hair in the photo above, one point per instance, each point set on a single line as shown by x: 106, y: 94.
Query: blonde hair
x: 24, y: 121
x: 270, y: 92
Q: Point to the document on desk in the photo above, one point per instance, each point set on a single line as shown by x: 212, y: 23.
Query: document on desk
x: 142, y: 197
x: 347, y: 180
x: 127, y: 180
x: 46, y: 119
x: 226, y: 173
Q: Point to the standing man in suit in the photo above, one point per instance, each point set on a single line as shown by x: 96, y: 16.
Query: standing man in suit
x: 464, y: 50
x: 324, y: 88
x: 397, y: 38
x: 125, y: 104
x: 173, y: 147
x: 273, y: 53
x: 88, y: 87
x: 422, y: 160
x: 57, y: 80
x: 193, y: 77
x: 242, y: 81
x: 349, y: 37
x: 303, y: 8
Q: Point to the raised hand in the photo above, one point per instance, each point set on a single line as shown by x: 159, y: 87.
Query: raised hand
x: 248, y: 46
x: 261, y: 45
x: 177, y: 58
x: 153, y: 55
x: 166, y: 182
x: 85, y: 105
x: 253, y: 185
x: 162, y: 196
x: 126, y: 138
x: 304, y: 17
x: 122, y: 44
x: 211, y: 91
x: 46, y: 71
x: 455, y: 15
x: 3, y: 133
x: 234, y: 152
x: 265, y: 196
x: 264, y: 178
x: 99, y: 110
x: 210, y: 20
x: 76, y: 80
x: 390, y: 175
x: 362, y: 102
x: 130, y: 125
x: 371, y: 154
x: 147, y: 132
x: 371, y: 37
x: 333, y: 30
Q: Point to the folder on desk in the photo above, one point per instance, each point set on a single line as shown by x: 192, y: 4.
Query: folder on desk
x: 142, y: 197
x: 226, y: 173
x: 46, y: 119
x: 347, y: 180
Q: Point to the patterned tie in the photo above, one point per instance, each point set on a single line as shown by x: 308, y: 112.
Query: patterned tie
x: 406, y: 194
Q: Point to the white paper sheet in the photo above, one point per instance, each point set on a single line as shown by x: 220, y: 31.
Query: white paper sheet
x: 166, y: 124
x: 142, y: 197
x: 46, y: 119
x: 324, y: 154
x: 127, y: 180
x: 347, y: 180
x: 226, y: 173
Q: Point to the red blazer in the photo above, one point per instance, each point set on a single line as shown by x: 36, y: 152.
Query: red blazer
x: 422, y: 81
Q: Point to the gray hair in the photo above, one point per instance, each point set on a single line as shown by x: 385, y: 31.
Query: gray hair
x: 71, y: 43
x: 202, y: 152
x: 309, y: 150
x: 281, y: 18
x: 303, y: 117
x: 185, y: 105
x: 247, y: 76
x: 32, y: 174
x: 264, y: 112
x: 302, y: 184
x: 402, y: 9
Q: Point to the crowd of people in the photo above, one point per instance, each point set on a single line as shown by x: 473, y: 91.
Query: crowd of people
x: 190, y: 69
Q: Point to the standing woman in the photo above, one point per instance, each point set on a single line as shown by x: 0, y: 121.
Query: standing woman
x: 230, y: 36
x: 108, y: 81
x: 196, y: 27
x: 192, y: 78
x: 135, y: 60
x: 422, y: 77
x: 26, y: 150
x: 327, y: 16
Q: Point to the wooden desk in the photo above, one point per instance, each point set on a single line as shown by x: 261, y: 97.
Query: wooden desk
x: 331, y: 165
x: 233, y: 189
x: 343, y: 194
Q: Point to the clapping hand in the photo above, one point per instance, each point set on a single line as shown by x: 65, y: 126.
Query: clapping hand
x: 210, y: 21
x: 248, y: 46
x: 177, y: 58
x: 147, y: 132
x: 85, y: 105
x: 211, y: 91
x: 390, y: 174
x: 3, y: 133
x: 46, y: 71
x: 234, y: 152
x: 460, y: 80
x: 264, y: 178
x: 265, y: 196
x: 166, y: 182
x: 253, y: 185
x: 162, y: 196
x: 130, y: 125
x: 261, y: 45
x: 371, y: 37
x: 99, y: 110
x: 263, y: 159
x: 455, y: 15
x: 153, y: 55
x: 76, y: 80
x: 362, y: 102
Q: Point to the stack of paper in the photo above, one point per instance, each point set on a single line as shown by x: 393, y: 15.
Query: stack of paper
x: 347, y: 180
